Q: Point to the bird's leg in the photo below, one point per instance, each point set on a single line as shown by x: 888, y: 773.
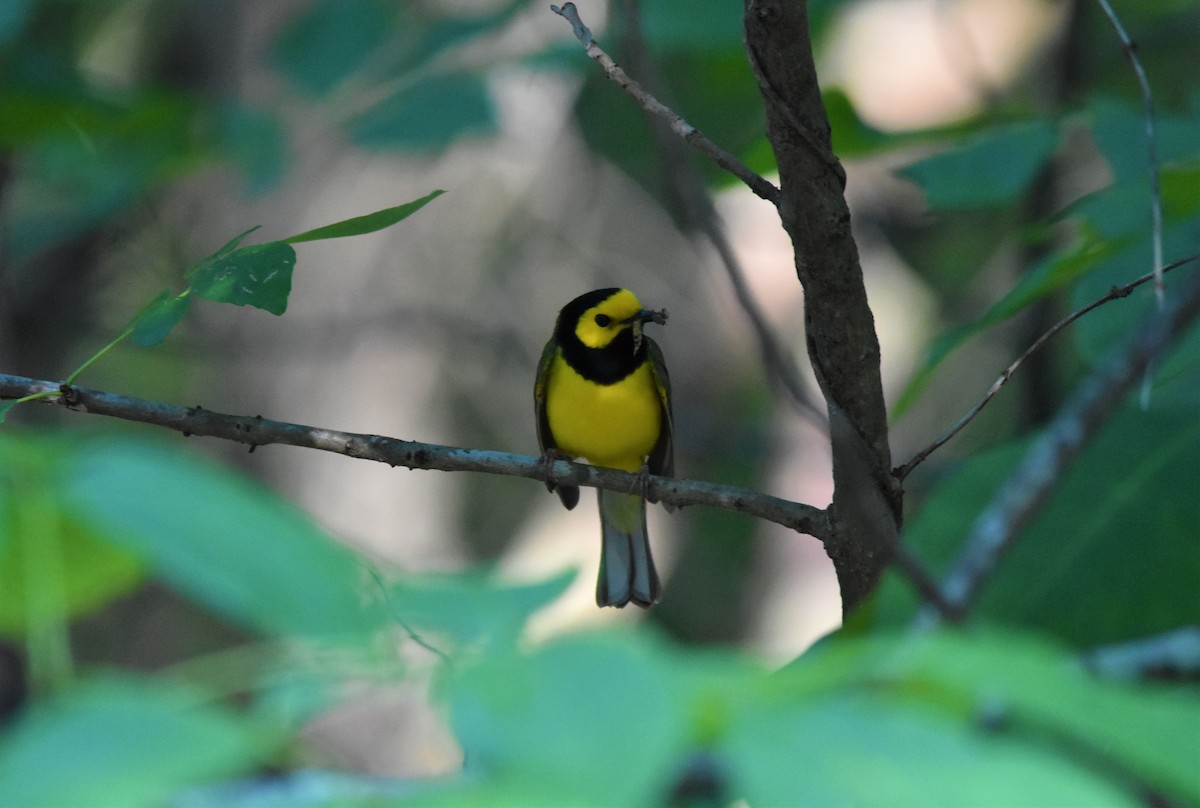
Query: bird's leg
x: 641, y: 485
x: 549, y: 457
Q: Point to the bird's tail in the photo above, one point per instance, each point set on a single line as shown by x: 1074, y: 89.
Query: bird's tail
x: 626, y: 567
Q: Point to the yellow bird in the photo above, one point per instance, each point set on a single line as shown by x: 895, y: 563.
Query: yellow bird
x: 602, y: 393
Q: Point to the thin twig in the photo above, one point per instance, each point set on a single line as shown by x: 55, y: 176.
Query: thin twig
x: 1116, y: 292
x: 1032, y: 481
x: 1156, y: 213
x: 652, y: 105
x: 258, y: 431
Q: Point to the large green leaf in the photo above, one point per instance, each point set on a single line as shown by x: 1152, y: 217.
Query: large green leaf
x: 1111, y: 553
x: 427, y: 116
x: 869, y: 750
x: 53, y: 566
x: 471, y: 609
x: 220, y: 538
x: 123, y: 742
x: 592, y: 719
x: 991, y: 169
x: 934, y: 719
x: 331, y: 40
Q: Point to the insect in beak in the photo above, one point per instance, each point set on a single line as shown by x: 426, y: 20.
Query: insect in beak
x: 645, y: 316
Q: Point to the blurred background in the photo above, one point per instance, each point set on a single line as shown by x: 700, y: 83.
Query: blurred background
x: 138, y: 136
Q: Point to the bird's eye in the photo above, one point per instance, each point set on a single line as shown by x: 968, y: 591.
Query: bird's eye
x: 603, y: 320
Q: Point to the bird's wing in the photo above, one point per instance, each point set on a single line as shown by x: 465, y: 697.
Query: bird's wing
x: 545, y: 437
x: 662, y: 457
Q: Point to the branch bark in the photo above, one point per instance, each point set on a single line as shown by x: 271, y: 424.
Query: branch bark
x: 258, y: 431
x: 840, y: 328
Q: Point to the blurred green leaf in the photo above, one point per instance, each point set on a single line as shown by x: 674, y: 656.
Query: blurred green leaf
x: 991, y: 169
x: 259, y: 275
x: 1095, y: 565
x: 942, y: 718
x: 123, y: 742
x: 1025, y: 689
x: 427, y: 116
x: 1119, y: 129
x: 254, y: 141
x: 221, y: 539
x: 156, y: 321
x: 5, y: 406
x: 1050, y: 275
x: 852, y: 136
x: 332, y: 40
x: 13, y: 16
x: 590, y: 718
x: 53, y: 566
x: 914, y: 756
x: 369, y: 223
x: 471, y: 608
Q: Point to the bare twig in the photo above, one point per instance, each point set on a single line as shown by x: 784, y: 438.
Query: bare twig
x: 1116, y: 292
x: 1156, y: 214
x: 652, y: 105
x: 1059, y: 444
x: 258, y: 431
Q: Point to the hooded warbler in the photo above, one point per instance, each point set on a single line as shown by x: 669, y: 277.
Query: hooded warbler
x: 602, y: 393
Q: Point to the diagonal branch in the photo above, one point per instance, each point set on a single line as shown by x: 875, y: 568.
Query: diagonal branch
x: 1115, y: 293
x: 258, y: 431
x: 655, y: 107
x: 1035, y: 477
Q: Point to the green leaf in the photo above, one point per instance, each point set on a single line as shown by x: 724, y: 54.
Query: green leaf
x: 1026, y: 690
x: 332, y: 40
x: 52, y: 565
x: 1095, y: 565
x: 369, y: 223
x: 915, y: 757
x: 1048, y: 276
x: 155, y: 322
x: 584, y: 716
x: 470, y: 609
x: 221, y: 539
x: 992, y: 169
x: 427, y: 116
x: 259, y: 275
x: 123, y: 742
x: 254, y: 142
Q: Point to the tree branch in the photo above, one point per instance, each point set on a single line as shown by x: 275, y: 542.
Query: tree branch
x: 655, y: 107
x: 258, y: 431
x: 839, y: 325
x: 1115, y: 293
x: 1060, y: 443
x: 687, y: 186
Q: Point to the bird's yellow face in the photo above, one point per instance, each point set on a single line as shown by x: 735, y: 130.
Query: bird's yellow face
x: 600, y: 324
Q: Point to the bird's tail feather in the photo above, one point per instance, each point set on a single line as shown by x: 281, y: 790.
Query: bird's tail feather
x: 626, y: 567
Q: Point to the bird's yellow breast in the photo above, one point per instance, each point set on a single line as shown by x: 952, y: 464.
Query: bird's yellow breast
x: 614, y: 425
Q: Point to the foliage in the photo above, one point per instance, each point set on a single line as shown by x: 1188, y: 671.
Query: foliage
x: 1001, y: 712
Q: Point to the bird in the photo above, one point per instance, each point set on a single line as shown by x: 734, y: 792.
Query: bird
x: 602, y: 393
